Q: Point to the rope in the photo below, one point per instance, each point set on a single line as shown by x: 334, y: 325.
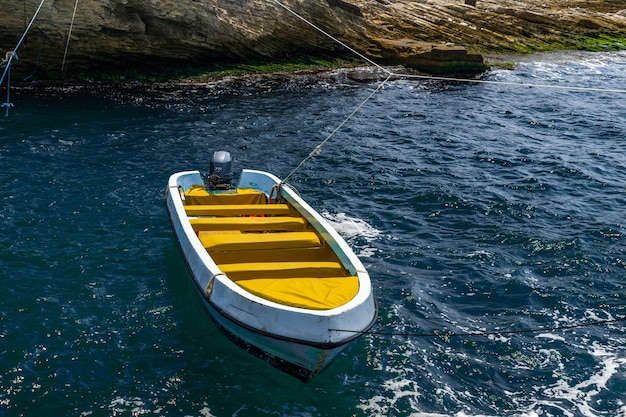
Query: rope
x: 506, y: 83
x: 443, y: 334
x: 318, y: 148
x: 452, y: 79
x: 43, y: 39
x: 28, y: 77
x: 13, y: 54
x: 27, y: 29
x: 437, y: 78
x: 400, y: 75
x: 360, y: 55
x: 67, y: 44
x: 8, y: 103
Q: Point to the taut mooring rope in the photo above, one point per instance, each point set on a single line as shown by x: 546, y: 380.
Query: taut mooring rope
x: 507, y: 83
x: 13, y: 54
x: 21, y: 40
x: 401, y: 75
x: 67, y: 44
x: 318, y: 148
x: 444, y: 334
x: 354, y: 51
x: 441, y: 334
x: 437, y: 78
x: 8, y: 103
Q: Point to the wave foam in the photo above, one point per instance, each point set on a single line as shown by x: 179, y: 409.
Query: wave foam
x: 567, y: 387
x: 354, y: 230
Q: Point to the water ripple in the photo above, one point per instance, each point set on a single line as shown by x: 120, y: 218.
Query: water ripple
x: 474, y: 207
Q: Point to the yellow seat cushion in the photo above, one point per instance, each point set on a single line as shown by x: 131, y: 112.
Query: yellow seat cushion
x: 283, y: 269
x: 237, y: 209
x: 248, y: 223
x: 309, y: 293
x: 197, y: 194
x: 220, y: 241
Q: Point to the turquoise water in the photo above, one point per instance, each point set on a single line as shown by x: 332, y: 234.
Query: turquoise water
x: 475, y: 207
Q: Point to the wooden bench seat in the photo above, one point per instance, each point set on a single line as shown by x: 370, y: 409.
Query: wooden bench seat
x: 238, y: 210
x: 248, y: 223
x: 237, y: 241
x: 255, y: 270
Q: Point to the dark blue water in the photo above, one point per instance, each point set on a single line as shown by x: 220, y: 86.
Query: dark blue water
x: 477, y: 208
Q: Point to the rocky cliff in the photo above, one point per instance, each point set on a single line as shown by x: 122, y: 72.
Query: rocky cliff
x: 420, y: 33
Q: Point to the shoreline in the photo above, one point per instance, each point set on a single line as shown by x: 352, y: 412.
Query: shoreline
x: 283, y: 72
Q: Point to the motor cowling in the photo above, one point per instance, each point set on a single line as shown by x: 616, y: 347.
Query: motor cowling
x: 220, y: 170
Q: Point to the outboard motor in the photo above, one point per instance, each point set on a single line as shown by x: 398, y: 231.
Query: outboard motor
x: 220, y: 171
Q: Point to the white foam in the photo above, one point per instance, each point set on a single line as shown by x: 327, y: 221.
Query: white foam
x: 581, y: 395
x: 350, y: 227
x: 578, y: 398
x: 567, y: 392
x: 354, y: 231
x: 550, y: 336
x: 395, y: 389
x: 135, y: 407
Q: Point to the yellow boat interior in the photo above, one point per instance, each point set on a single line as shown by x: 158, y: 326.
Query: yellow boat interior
x: 269, y: 249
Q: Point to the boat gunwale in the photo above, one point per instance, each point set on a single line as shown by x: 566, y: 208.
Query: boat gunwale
x: 319, y: 345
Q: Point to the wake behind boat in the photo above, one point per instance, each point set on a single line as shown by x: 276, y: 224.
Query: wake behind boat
x: 275, y: 276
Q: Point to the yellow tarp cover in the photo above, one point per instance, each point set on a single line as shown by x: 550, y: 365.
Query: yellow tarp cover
x: 311, y: 293
x: 197, y: 194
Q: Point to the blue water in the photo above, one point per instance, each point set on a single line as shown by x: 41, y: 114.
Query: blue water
x: 477, y: 208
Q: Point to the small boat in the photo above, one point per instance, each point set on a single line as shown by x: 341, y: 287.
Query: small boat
x: 275, y: 276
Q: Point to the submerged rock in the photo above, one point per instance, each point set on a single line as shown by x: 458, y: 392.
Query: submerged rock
x: 142, y: 34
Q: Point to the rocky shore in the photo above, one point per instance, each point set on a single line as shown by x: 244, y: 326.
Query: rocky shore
x: 435, y: 36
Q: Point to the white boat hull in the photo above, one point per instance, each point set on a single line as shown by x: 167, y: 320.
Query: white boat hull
x: 297, y: 359
x: 299, y: 341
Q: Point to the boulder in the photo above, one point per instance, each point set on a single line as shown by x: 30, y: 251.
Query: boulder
x: 431, y: 58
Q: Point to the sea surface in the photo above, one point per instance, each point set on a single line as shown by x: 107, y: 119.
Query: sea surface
x: 491, y: 218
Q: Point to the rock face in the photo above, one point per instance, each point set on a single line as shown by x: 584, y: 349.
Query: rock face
x: 418, y: 33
